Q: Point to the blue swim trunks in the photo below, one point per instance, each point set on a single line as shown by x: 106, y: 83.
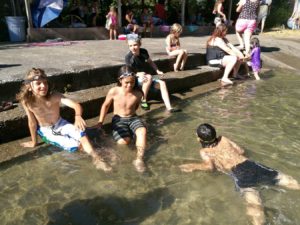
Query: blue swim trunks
x: 62, y: 134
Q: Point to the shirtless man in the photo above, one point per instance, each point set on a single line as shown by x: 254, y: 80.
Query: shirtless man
x: 42, y: 107
x: 224, y: 155
x: 126, y: 98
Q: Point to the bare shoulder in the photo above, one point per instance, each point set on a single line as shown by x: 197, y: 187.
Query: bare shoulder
x: 113, y: 91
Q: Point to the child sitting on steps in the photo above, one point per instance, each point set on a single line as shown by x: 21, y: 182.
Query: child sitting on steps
x: 42, y: 107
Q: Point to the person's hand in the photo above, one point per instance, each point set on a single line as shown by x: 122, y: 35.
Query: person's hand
x: 79, y: 123
x: 241, y: 2
x: 186, y: 168
x: 28, y: 144
x: 159, y: 72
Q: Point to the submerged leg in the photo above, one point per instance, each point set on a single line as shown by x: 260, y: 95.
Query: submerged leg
x: 287, y: 181
x: 140, y: 147
x: 97, y: 160
x: 254, y: 206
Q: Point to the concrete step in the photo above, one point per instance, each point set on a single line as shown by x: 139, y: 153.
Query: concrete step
x: 83, y: 78
x: 13, y: 123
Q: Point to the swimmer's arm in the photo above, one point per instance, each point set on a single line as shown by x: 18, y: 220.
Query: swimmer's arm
x: 32, y: 125
x: 206, y: 165
x: 79, y: 121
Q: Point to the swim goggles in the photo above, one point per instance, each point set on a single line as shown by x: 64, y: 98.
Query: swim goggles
x: 127, y: 74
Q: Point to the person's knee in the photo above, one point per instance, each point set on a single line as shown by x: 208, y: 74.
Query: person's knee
x: 162, y: 84
x: 233, y: 59
x: 229, y: 60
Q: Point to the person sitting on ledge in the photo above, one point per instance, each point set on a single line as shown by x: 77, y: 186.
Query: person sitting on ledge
x: 221, y: 53
x: 138, y: 58
x: 173, y: 47
x: 224, y: 155
x: 42, y: 107
x: 126, y: 98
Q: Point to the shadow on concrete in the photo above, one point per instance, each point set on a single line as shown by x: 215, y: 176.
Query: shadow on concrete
x: 8, y: 65
x: 110, y: 209
x: 269, y: 49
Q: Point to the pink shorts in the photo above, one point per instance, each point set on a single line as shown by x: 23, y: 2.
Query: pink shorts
x: 242, y: 25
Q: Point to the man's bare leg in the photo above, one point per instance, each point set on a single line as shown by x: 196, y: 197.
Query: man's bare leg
x: 164, y: 94
x: 287, y: 181
x: 140, y: 147
x: 254, y: 206
x: 97, y: 160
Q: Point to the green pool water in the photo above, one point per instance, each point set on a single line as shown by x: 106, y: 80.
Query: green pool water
x: 55, y: 187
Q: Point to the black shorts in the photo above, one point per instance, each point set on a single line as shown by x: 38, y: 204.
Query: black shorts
x: 251, y: 174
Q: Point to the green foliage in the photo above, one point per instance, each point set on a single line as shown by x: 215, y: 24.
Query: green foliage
x: 280, y: 13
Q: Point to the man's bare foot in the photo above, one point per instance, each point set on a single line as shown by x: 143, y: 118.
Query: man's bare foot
x: 139, y: 165
x: 100, y: 164
x: 175, y: 68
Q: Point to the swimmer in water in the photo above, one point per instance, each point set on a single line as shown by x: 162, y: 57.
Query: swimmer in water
x: 224, y: 155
